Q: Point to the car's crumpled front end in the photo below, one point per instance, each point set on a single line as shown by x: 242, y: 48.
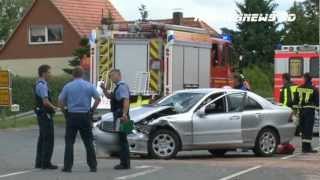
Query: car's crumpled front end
x: 107, y: 141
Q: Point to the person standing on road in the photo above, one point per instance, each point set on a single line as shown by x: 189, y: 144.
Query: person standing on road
x: 44, y: 110
x: 77, y: 96
x: 307, y: 99
x: 120, y: 108
x: 287, y: 94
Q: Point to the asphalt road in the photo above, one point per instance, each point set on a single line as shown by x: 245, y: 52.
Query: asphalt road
x: 17, y: 152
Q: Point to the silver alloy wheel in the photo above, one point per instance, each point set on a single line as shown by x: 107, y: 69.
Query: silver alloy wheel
x: 268, y: 142
x: 163, y: 145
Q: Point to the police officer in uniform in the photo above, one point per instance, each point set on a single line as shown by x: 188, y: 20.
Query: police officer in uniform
x: 120, y: 108
x: 307, y: 99
x: 77, y: 95
x: 44, y: 110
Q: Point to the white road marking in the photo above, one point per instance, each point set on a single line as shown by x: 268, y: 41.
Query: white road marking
x: 143, y: 167
x: 241, y: 173
x: 149, y: 171
x: 290, y: 156
x: 15, y: 173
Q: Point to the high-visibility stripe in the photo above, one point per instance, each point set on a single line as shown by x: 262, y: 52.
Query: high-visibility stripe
x: 106, y: 58
x: 154, y: 79
x: 285, y: 92
x: 154, y: 57
x: 293, y: 91
x: 306, y: 140
x: 154, y: 50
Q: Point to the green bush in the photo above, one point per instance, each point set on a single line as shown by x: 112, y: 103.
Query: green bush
x: 260, y: 78
x: 23, y: 88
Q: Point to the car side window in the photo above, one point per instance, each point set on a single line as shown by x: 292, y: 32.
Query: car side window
x: 218, y: 106
x: 235, y: 102
x: 209, y: 99
x: 251, y: 104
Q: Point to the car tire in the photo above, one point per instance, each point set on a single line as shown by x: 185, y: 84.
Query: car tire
x: 218, y: 152
x: 266, y: 143
x: 163, y: 144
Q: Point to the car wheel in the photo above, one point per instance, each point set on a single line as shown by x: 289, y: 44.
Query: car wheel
x: 217, y: 152
x: 163, y: 144
x: 266, y: 143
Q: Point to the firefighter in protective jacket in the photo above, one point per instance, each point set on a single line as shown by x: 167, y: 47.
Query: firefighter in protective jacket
x: 307, y: 100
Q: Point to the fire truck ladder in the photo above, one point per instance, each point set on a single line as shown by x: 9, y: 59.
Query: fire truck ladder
x: 142, y: 83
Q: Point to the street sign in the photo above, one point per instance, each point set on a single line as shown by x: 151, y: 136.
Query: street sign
x: 15, y: 108
x: 5, y: 97
x: 5, y: 79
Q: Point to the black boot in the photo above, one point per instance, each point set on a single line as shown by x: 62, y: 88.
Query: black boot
x: 307, y: 148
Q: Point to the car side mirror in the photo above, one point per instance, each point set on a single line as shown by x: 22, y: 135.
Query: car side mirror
x: 201, y: 112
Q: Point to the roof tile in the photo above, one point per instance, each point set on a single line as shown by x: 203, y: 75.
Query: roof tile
x: 85, y: 15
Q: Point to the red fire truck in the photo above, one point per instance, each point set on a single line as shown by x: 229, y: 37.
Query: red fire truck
x: 162, y: 58
x: 295, y: 60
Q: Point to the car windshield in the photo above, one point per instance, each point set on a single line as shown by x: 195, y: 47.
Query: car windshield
x: 182, y: 102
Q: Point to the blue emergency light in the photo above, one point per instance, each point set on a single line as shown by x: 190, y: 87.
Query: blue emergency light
x: 227, y: 37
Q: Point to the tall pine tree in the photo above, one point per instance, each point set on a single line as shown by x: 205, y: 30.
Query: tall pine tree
x: 305, y: 29
x: 82, y: 51
x: 257, y: 39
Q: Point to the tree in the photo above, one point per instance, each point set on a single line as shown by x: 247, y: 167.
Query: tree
x: 305, y: 29
x: 143, y: 13
x: 11, y: 12
x: 80, y: 53
x: 257, y: 39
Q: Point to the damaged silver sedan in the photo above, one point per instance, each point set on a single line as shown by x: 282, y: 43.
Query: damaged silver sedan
x: 217, y: 120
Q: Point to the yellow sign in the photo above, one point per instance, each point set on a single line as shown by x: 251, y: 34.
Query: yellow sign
x: 5, y: 97
x: 5, y: 79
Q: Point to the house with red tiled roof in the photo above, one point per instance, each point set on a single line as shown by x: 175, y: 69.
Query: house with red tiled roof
x: 50, y: 31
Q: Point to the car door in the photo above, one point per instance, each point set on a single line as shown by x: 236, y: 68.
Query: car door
x: 252, y: 116
x: 221, y: 123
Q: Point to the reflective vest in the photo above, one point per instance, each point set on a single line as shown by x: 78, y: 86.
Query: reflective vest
x: 287, y: 95
x: 307, y: 96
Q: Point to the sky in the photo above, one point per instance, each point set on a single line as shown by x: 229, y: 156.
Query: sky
x: 217, y: 13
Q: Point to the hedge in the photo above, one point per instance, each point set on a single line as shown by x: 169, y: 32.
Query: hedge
x: 260, y: 77
x: 23, y: 88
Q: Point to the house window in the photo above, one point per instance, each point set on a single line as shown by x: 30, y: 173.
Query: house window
x: 45, y: 34
x: 37, y: 34
x: 296, y: 67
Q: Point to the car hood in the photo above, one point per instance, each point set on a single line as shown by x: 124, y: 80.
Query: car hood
x: 139, y: 113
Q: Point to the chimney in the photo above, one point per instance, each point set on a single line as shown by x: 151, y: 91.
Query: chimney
x: 177, y: 18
